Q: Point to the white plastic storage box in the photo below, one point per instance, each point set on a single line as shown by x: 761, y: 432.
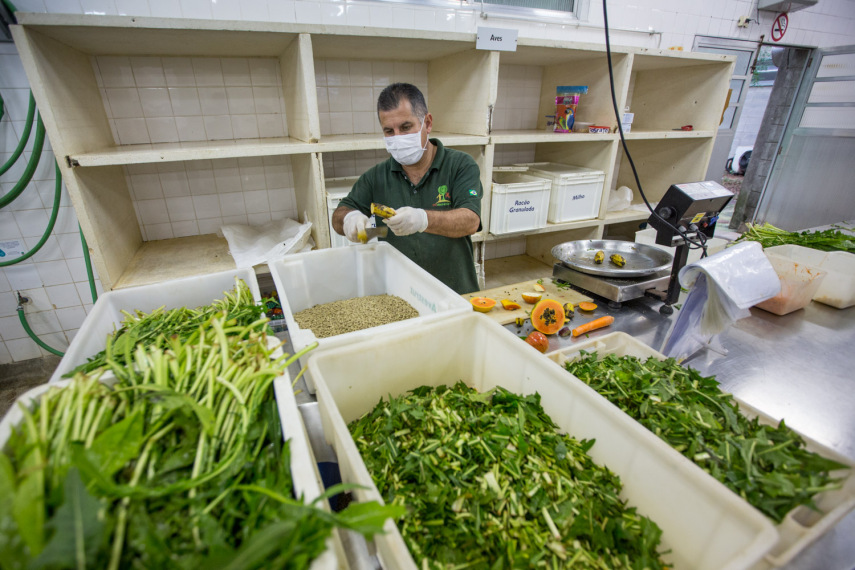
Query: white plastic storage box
x: 304, y: 280
x: 704, y: 525
x: 106, y: 316
x: 305, y: 479
x: 575, y: 191
x: 802, y: 526
x: 838, y: 287
x: 520, y: 202
x: 800, y: 281
x: 337, y: 188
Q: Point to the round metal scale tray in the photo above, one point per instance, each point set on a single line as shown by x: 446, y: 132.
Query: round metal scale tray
x: 641, y: 260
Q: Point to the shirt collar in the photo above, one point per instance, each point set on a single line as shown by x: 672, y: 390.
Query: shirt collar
x: 437, y: 159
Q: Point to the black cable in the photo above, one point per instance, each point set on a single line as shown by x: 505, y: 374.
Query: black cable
x: 698, y: 244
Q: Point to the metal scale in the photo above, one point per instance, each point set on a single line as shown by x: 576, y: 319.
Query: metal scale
x: 693, y: 208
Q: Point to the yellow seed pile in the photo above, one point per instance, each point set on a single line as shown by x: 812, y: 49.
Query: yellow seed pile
x: 350, y: 315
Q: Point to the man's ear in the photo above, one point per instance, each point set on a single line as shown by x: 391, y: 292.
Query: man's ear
x: 428, y: 122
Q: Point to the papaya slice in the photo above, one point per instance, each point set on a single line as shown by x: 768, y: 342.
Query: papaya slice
x: 509, y: 305
x: 483, y: 304
x: 586, y: 306
x: 532, y: 298
x: 547, y: 316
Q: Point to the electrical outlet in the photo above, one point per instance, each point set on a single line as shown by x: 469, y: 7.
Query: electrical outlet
x: 743, y: 22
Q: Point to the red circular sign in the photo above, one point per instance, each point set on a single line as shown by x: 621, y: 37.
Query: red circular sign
x: 779, y: 27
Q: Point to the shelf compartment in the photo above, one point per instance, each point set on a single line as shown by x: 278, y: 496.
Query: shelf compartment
x: 539, y: 246
x: 544, y: 136
x: 638, y: 134
x: 374, y: 141
x: 556, y: 64
x: 667, y: 91
x: 661, y: 163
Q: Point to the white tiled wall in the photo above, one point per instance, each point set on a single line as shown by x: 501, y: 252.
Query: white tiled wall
x: 341, y: 164
x: 518, y: 100
x: 192, y: 198
x: 60, y: 297
x: 177, y: 99
x: 348, y: 91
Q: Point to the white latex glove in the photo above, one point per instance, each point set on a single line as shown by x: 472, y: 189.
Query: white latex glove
x: 408, y: 221
x: 355, y: 223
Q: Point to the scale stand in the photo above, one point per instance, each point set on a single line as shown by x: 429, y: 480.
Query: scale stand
x: 669, y: 297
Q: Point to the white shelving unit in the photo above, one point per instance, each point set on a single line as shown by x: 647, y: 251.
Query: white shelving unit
x: 465, y: 89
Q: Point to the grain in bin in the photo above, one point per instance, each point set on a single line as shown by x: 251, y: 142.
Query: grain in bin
x: 304, y: 280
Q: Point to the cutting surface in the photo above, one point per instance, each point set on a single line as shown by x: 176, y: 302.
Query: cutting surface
x: 514, y: 293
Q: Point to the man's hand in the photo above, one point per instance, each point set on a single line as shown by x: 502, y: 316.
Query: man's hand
x: 354, y: 224
x: 408, y: 221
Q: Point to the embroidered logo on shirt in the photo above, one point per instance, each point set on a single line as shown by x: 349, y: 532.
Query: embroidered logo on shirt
x: 473, y: 192
x: 443, y: 197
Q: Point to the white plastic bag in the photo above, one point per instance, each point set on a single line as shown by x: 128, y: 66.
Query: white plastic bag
x: 721, y: 290
x: 251, y: 245
x: 620, y: 199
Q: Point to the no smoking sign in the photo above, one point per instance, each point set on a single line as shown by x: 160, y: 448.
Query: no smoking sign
x: 779, y: 27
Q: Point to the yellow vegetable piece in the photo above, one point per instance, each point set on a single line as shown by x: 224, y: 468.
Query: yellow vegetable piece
x: 382, y: 211
x: 599, y: 257
x: 509, y: 305
x: 617, y: 259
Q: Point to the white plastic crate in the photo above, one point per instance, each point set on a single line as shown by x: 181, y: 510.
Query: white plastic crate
x: 575, y: 191
x: 337, y: 188
x: 838, y: 287
x: 106, y: 316
x: 520, y: 202
x: 802, y: 526
x: 304, y: 280
x: 704, y: 525
x: 305, y: 479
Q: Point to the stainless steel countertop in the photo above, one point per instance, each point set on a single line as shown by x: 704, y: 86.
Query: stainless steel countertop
x: 798, y: 367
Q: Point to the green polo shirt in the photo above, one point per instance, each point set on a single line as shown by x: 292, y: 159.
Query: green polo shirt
x: 452, y: 181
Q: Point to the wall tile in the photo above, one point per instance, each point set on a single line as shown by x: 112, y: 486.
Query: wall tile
x: 185, y: 101
x: 190, y: 128
x: 207, y: 206
x: 99, y: 7
x: 23, y: 276
x: 30, y: 5
x: 165, y: 8
x: 146, y: 186
x: 245, y: 126
x: 256, y: 201
x: 70, y: 245
x: 50, y: 251
x: 77, y: 268
x: 254, y: 10
x: 162, y: 130
x: 31, y: 222
x: 239, y: 219
x: 380, y: 16
x: 207, y: 71
x: 180, y: 209
x: 341, y: 99
x: 153, y: 211
x: 270, y: 126
x: 240, y: 100
x: 218, y: 127
x: 232, y: 204
x: 213, y: 100
x: 71, y: 318
x: 43, y: 322
x: 201, y: 182
x: 358, y: 15
x: 53, y: 272
x: 23, y: 349
x: 185, y: 228
x: 132, y: 8
x: 63, y: 296
x: 5, y: 355
x: 63, y: 7
x: 236, y: 71
x: 258, y: 219
x: 307, y: 12
x: 11, y: 328
x: 159, y: 231
x: 179, y: 72
x: 210, y: 226
x: 132, y: 131
x: 4, y: 283
x: 201, y: 9
x: 226, y: 10
x: 264, y: 72
x: 155, y: 102
x: 281, y: 11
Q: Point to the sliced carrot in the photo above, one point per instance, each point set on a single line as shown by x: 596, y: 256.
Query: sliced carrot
x: 594, y: 325
x: 586, y: 306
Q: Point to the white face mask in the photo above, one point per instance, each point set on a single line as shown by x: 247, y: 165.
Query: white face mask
x: 406, y: 149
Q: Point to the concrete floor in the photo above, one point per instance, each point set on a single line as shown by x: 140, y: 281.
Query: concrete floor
x: 19, y: 377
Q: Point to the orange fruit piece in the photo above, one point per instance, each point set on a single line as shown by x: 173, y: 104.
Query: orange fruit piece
x: 509, y: 305
x: 586, y: 306
x: 532, y: 298
x: 483, y: 304
x: 538, y: 340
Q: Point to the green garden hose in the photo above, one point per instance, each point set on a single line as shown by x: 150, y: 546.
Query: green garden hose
x: 38, y: 143
x: 28, y: 126
x: 88, y: 261
x: 33, y: 336
x: 51, y: 223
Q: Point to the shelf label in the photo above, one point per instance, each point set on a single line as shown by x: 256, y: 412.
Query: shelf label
x: 496, y: 39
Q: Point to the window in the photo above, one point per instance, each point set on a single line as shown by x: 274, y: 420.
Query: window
x: 558, y: 5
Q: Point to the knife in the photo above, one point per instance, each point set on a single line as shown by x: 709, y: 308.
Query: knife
x: 370, y: 233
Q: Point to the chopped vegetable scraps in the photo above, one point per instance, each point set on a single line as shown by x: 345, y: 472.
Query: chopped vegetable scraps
x: 767, y: 466
x: 489, y: 482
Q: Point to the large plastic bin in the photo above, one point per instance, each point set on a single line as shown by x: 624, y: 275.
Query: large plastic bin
x: 305, y: 479
x: 337, y: 188
x: 106, y: 316
x: 799, y: 282
x: 802, y: 526
x: 520, y: 202
x: 575, y: 191
x: 704, y: 525
x: 838, y: 287
x: 304, y: 280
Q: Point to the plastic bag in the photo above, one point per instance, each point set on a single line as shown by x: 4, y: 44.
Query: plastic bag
x: 251, y: 245
x: 620, y: 199
x: 722, y: 289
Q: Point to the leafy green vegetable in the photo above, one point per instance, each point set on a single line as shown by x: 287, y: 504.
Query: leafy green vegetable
x: 179, y: 464
x: 767, y: 466
x: 489, y: 482
x: 826, y: 240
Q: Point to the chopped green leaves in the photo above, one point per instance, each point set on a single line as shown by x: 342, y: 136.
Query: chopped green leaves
x: 826, y: 240
x: 489, y: 482
x: 767, y: 466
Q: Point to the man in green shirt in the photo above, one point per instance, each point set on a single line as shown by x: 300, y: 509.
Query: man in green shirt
x: 436, y: 193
